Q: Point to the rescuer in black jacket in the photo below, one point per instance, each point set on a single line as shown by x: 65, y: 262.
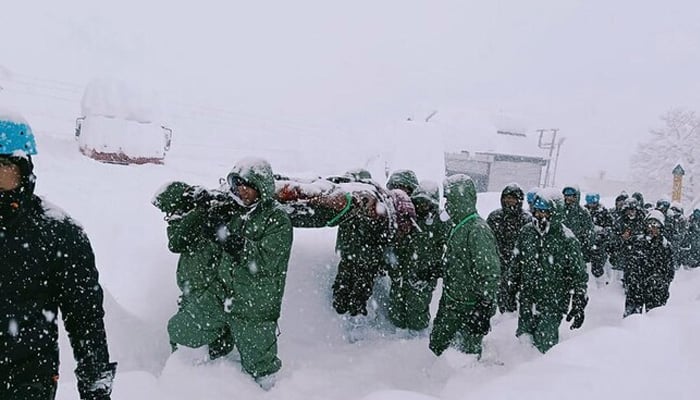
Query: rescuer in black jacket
x: 46, y: 265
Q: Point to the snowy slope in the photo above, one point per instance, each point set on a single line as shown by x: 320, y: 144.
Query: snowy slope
x: 642, y: 357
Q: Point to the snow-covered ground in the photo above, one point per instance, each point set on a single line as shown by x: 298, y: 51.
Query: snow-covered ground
x: 641, y: 357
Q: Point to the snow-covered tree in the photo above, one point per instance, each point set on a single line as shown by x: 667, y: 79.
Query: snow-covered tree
x: 677, y: 142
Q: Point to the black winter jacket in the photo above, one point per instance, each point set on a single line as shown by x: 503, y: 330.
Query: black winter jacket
x: 47, y: 265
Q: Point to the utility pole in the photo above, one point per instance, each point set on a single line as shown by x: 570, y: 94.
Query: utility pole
x: 547, y: 146
x: 556, y: 160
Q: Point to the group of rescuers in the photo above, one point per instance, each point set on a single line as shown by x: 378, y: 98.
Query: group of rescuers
x: 234, y: 256
x: 234, y: 244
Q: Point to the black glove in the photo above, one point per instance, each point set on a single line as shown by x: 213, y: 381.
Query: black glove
x: 578, y: 304
x: 233, y: 245
x: 432, y: 272
x: 96, y: 385
x: 479, y: 319
x: 210, y: 230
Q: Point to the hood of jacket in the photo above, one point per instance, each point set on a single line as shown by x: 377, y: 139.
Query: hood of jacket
x: 460, y: 196
x: 258, y: 174
x: 403, y: 179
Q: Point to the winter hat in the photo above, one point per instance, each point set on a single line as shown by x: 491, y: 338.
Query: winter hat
x: 656, y: 215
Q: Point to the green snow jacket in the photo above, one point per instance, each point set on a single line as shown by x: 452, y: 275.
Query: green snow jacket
x: 548, y: 268
x: 472, y: 269
x: 255, y: 274
x: 197, y: 268
x: 577, y: 218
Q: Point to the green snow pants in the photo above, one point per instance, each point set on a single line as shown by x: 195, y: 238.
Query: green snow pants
x: 196, y: 324
x: 409, y: 303
x: 542, y: 327
x: 462, y: 326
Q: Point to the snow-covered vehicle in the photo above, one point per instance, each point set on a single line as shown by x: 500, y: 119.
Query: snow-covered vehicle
x: 120, y: 125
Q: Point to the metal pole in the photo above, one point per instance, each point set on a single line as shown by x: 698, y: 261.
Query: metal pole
x: 549, y: 160
x: 543, y: 182
x: 556, y: 161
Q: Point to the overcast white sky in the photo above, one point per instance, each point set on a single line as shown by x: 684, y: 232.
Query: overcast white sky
x: 601, y: 71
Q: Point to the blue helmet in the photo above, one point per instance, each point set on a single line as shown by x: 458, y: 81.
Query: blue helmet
x: 542, y: 204
x: 531, y: 197
x: 592, y: 198
x: 16, y: 138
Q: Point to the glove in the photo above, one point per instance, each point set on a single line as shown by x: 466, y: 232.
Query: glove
x: 197, y: 196
x: 578, y: 304
x: 479, y: 319
x: 233, y: 245
x: 430, y: 273
x: 96, y: 386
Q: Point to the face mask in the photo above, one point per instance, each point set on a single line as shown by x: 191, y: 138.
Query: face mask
x: 542, y: 225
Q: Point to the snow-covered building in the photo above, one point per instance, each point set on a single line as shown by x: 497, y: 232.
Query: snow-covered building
x: 494, y: 152
x: 120, y: 124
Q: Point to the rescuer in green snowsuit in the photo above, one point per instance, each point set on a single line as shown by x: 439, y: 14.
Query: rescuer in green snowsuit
x: 419, y: 262
x: 472, y: 274
x: 549, y: 273
x: 254, y: 266
x: 247, y: 251
x: 579, y: 220
x: 203, y: 292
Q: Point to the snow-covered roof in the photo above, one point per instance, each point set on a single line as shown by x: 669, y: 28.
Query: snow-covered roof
x: 478, y: 132
x: 114, y: 98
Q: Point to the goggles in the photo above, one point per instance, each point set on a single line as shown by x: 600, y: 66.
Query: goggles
x: 235, y: 181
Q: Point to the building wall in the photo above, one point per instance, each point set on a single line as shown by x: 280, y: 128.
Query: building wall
x: 460, y: 163
x: 525, y: 174
x: 491, y: 174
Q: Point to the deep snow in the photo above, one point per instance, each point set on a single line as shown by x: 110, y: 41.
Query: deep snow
x: 641, y: 357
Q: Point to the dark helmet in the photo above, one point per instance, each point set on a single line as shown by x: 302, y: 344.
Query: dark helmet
x: 622, y: 197
x: 515, y: 191
x: 638, y: 196
x: 696, y: 214
x: 663, y: 205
